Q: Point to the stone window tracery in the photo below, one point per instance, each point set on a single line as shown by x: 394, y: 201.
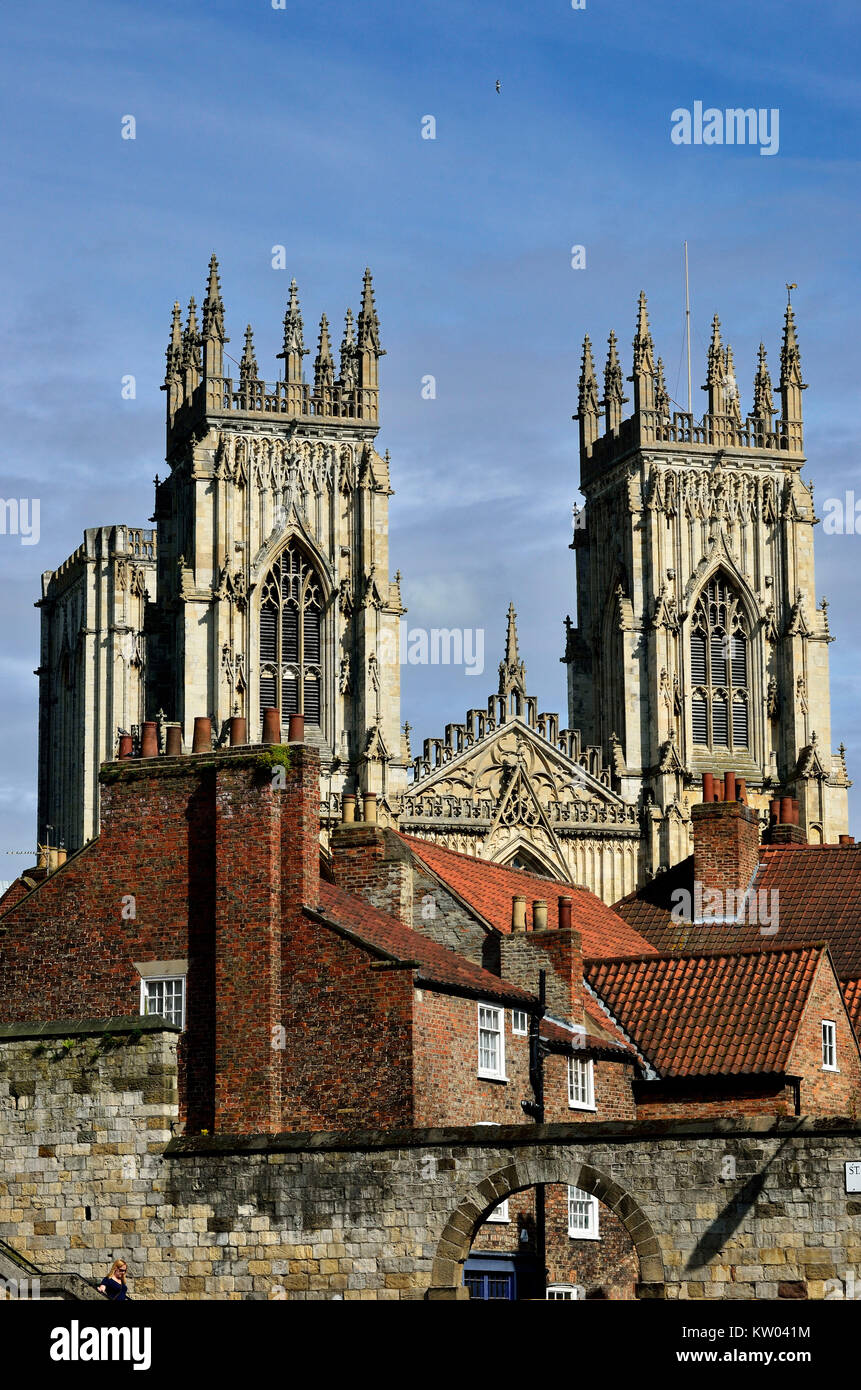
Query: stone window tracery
x: 291, y: 610
x: 720, y: 695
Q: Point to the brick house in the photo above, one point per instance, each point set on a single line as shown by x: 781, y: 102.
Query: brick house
x: 396, y: 983
x: 784, y: 889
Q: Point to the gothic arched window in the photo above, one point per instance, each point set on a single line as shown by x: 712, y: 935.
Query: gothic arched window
x: 720, y: 694
x: 291, y: 607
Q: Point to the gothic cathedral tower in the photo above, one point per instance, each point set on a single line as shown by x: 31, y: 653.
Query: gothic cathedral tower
x: 273, y: 566
x: 699, y: 646
x: 267, y: 578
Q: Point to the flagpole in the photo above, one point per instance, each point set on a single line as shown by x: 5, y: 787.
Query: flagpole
x: 688, y: 330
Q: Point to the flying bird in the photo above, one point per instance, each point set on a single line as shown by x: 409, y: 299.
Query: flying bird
x: 498, y: 87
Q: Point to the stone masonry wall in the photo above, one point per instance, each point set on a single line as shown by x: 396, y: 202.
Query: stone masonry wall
x: 88, y: 1170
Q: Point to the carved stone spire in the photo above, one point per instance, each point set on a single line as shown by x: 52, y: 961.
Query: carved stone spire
x: 174, y: 346
x: 715, y: 379
x: 662, y: 396
x: 369, y: 351
x: 191, y: 347
x: 324, y: 366
x: 248, y: 363
x: 512, y: 672
x: 294, y: 348
x: 791, y: 384
x: 644, y: 361
x: 369, y: 323
x: 349, y: 355
x: 173, y: 375
x: 588, y: 408
x: 614, y: 397
x: 763, y: 396
x: 213, y: 324
x: 732, y: 404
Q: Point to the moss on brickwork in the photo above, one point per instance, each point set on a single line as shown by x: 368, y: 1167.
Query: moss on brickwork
x: 261, y: 759
x: 275, y: 755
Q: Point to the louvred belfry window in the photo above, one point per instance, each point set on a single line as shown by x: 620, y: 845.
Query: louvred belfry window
x: 291, y: 608
x: 720, y: 695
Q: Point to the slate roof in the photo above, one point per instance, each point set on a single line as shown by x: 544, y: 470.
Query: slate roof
x: 819, y: 899
x: 434, y: 964
x: 714, y: 1014
x: 489, y: 889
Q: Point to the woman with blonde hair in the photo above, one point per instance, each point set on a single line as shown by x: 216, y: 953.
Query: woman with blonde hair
x: 114, y: 1287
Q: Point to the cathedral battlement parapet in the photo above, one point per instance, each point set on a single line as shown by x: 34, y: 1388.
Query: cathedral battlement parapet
x: 197, y: 387
x: 768, y: 429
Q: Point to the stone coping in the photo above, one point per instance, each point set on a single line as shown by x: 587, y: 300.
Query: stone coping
x: 257, y: 756
x: 88, y: 1027
x: 507, y: 1136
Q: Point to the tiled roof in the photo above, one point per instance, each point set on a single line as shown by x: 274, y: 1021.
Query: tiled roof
x: 852, y: 996
x: 434, y: 964
x: 489, y: 888
x: 818, y: 891
x: 712, y: 1014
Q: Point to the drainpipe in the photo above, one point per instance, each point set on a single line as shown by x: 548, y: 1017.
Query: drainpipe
x: 536, y: 1109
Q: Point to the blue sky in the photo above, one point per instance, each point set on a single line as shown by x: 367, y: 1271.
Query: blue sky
x: 301, y: 127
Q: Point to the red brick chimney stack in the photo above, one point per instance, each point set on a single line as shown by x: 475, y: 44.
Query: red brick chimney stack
x: 556, y: 951
x: 785, y: 822
x: 726, y: 838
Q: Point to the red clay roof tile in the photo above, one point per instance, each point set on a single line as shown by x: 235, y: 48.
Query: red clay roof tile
x: 818, y: 891
x: 435, y: 964
x: 852, y: 996
x: 710, y: 1014
x: 489, y: 889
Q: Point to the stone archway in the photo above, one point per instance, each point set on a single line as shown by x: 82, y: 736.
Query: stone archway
x: 472, y: 1210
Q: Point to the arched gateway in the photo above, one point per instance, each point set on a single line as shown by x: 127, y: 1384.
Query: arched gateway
x: 473, y: 1208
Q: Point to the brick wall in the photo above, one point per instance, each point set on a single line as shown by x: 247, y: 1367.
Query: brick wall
x: 247, y: 931
x: 604, y: 1268
x: 614, y: 1097
x: 448, y: 1089
x: 726, y: 845
x: 826, y: 1092
x: 347, y: 1061
x: 556, y: 951
x: 374, y: 864
x: 201, y: 858
x: 698, y: 1099
x: 562, y: 950
x: 67, y: 950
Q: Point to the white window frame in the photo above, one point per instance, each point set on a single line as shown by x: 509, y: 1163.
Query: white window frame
x: 148, y: 980
x: 488, y: 1073
x: 556, y: 1293
x: 500, y: 1212
x: 519, y: 1014
x: 588, y: 1066
x: 590, y: 1231
x: 829, y: 1044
